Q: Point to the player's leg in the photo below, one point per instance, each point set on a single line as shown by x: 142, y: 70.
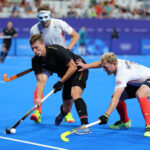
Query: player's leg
x: 142, y: 93
x: 4, y: 52
x: 124, y: 121
x: 65, y: 109
x: 83, y: 49
x: 36, y: 116
x: 68, y: 105
x: 81, y: 108
x: 78, y: 85
x: 5, y: 49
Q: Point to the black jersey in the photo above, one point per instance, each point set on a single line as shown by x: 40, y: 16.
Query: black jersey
x: 56, y: 60
x: 9, y: 32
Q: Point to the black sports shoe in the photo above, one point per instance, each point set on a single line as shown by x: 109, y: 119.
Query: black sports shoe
x: 59, y: 118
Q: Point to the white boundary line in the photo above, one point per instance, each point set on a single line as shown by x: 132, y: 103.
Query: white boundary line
x: 2, y: 81
x: 27, y: 142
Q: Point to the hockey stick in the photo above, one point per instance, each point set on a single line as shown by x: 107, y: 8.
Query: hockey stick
x: 28, y: 113
x: 5, y: 37
x: 16, y: 76
x: 65, y: 134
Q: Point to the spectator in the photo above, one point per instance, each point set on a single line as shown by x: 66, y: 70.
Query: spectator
x: 72, y: 13
x: 146, y: 13
x: 92, y: 12
x: 28, y: 8
x: 107, y: 11
x: 15, y: 10
x: 93, y: 3
x: 76, y: 4
x: 1, y: 6
x: 99, y: 11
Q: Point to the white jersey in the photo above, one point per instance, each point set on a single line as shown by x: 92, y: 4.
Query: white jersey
x: 130, y: 73
x: 55, y: 33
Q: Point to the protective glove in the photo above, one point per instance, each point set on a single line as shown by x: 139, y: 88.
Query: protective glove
x: 58, y: 86
x: 104, y: 119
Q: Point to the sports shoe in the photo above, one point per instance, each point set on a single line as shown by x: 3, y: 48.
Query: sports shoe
x: 68, y: 118
x: 59, y: 118
x: 147, y: 131
x: 36, y: 116
x: 84, y: 131
x: 119, y: 124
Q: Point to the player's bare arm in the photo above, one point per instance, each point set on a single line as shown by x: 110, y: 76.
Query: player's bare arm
x: 75, y: 38
x: 96, y: 64
x: 41, y: 81
x: 115, y: 100
x: 72, y: 68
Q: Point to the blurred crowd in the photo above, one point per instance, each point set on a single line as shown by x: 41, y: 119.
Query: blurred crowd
x: 75, y: 9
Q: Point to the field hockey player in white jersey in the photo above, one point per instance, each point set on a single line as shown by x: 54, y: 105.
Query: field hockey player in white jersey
x: 53, y: 31
x: 132, y: 81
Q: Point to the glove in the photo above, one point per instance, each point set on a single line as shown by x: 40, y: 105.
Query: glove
x: 58, y: 86
x: 104, y: 119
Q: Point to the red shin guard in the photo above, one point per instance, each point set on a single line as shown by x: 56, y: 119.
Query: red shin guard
x: 122, y: 110
x: 35, y: 97
x: 145, y: 108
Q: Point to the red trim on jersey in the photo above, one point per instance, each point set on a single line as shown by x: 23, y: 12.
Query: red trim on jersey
x: 63, y: 36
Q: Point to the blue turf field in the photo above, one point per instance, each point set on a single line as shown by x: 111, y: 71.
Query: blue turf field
x: 16, y: 98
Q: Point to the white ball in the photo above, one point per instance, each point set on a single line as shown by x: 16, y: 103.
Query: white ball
x: 13, y: 131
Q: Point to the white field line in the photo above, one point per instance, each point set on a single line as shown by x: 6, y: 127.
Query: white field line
x: 27, y: 142
x: 2, y: 81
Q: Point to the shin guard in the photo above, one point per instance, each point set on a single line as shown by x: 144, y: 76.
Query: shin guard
x: 81, y: 110
x: 145, y: 108
x: 35, y: 97
x: 122, y: 110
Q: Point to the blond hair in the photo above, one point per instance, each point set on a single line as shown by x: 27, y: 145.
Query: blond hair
x: 109, y: 58
x: 36, y: 37
x: 44, y: 7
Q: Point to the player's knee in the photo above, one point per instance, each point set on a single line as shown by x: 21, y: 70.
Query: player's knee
x: 75, y: 97
x: 139, y: 94
x: 76, y: 94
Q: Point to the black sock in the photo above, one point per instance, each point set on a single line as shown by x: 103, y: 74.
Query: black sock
x: 81, y: 110
x: 62, y: 111
x: 4, y: 55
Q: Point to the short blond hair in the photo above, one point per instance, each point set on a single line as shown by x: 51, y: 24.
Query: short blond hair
x: 109, y: 58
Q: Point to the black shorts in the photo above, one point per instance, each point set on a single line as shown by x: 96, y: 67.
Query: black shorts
x: 130, y: 91
x: 78, y: 79
x: 82, y: 44
x: 7, y: 44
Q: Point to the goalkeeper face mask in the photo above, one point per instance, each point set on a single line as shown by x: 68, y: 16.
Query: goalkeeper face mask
x: 43, y: 15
